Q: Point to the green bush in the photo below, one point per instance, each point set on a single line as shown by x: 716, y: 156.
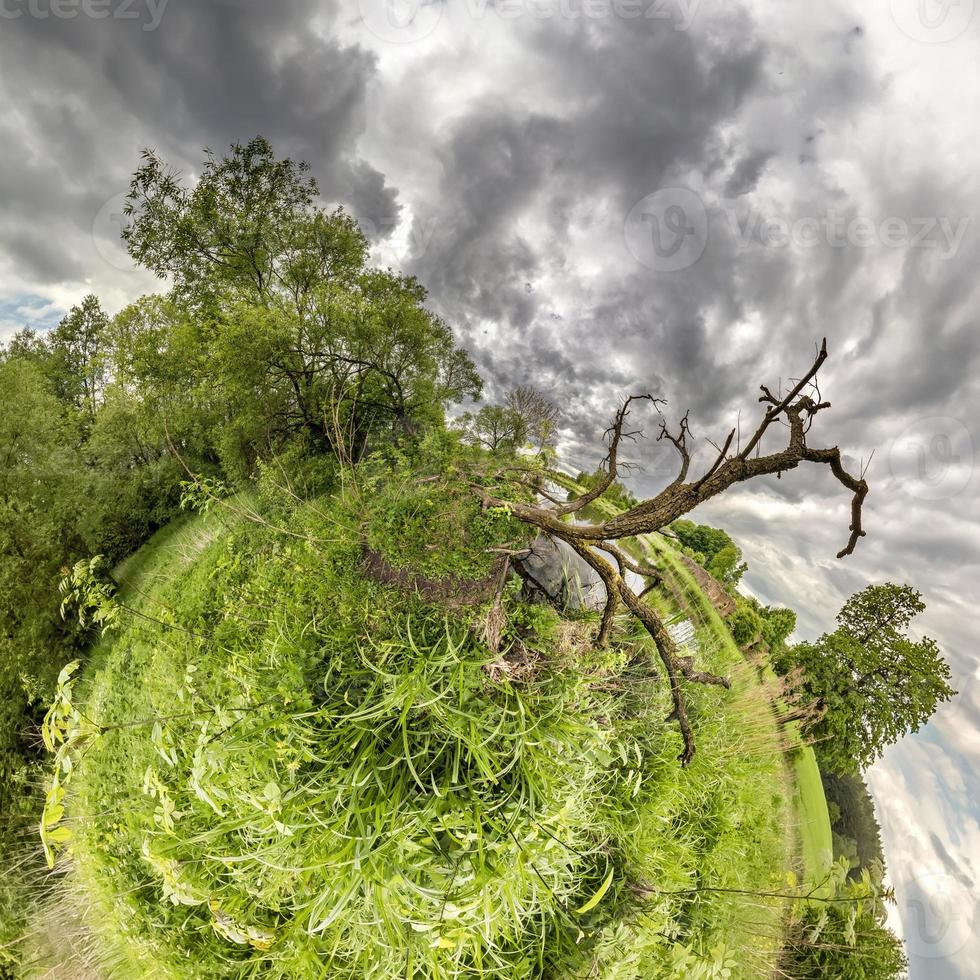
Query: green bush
x: 745, y: 624
x: 303, y: 770
x: 845, y: 936
x: 712, y: 548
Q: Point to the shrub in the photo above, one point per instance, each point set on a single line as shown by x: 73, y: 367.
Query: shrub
x: 717, y: 552
x: 303, y: 770
x: 745, y: 625
x: 845, y: 936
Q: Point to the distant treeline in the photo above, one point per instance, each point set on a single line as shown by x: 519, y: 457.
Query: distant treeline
x: 857, y: 834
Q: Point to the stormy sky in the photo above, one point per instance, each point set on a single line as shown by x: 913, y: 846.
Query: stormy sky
x: 610, y: 196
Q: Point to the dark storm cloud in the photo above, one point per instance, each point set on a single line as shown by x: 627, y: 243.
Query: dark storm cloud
x: 643, y: 107
x: 83, y: 96
x: 636, y: 102
x: 746, y: 174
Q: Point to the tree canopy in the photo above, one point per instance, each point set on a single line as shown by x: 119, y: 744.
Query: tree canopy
x: 713, y: 548
x: 853, y: 818
x: 525, y: 419
x: 293, y: 329
x: 875, y: 681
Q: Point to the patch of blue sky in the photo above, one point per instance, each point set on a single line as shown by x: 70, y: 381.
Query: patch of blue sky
x: 27, y: 310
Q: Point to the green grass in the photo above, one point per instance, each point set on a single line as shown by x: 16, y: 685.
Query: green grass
x: 808, y: 820
x: 344, y: 781
x: 811, y: 815
x: 814, y: 819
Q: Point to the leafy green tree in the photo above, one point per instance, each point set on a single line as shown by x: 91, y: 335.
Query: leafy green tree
x: 752, y: 620
x: 876, y: 682
x: 79, y: 356
x: 41, y: 493
x: 165, y: 377
x: 745, y: 625
x: 853, y: 818
x: 42, y: 488
x: 249, y: 228
x: 300, y: 338
x: 83, y: 469
x: 496, y: 428
x: 777, y: 625
x: 537, y: 418
x: 27, y: 345
x: 727, y: 565
x: 718, y: 553
x: 525, y: 419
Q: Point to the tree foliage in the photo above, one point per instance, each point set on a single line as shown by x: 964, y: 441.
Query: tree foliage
x: 876, y: 682
x: 712, y: 548
x: 296, y: 332
x: 846, y: 937
x: 78, y: 349
x: 525, y: 419
x: 41, y: 488
x: 753, y: 621
x: 853, y: 818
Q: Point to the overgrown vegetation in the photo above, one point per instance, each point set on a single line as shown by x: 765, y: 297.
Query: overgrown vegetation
x: 320, y: 728
x: 751, y: 623
x: 846, y: 936
x: 347, y: 782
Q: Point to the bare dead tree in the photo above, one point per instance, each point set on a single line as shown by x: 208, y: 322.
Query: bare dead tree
x: 794, y: 411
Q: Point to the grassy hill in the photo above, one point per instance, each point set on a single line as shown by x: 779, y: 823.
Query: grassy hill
x: 305, y: 771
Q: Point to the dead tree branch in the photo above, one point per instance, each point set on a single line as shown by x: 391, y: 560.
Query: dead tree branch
x: 795, y: 412
x: 615, y: 434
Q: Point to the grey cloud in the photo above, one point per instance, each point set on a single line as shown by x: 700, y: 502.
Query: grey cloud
x: 213, y: 73
x: 951, y: 864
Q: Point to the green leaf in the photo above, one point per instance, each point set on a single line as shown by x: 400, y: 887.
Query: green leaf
x: 598, y: 896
